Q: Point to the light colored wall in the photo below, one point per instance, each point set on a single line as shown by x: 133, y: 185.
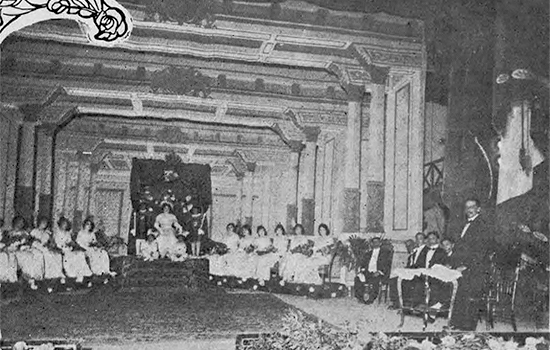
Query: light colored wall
x: 435, y: 131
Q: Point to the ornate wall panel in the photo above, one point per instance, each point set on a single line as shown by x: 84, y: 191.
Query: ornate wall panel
x: 401, y: 159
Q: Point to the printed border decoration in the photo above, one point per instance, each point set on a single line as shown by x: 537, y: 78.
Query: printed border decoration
x: 105, y: 22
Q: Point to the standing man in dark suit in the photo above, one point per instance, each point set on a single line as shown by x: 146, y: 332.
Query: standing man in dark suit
x: 374, y: 268
x: 472, y: 259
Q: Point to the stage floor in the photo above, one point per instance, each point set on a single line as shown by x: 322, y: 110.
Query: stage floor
x: 112, y: 317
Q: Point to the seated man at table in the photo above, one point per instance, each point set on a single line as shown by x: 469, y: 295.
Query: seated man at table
x: 420, y: 244
x: 432, y: 254
x: 448, y: 245
x: 374, y: 268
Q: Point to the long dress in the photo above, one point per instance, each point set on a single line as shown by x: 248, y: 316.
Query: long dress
x: 309, y: 267
x: 292, y: 262
x: 98, y: 258
x: 166, y: 224
x: 242, y: 264
x: 8, y: 264
x: 219, y: 263
x: 149, y: 250
x: 264, y: 262
x: 53, y: 261
x: 29, y: 260
x: 74, y: 262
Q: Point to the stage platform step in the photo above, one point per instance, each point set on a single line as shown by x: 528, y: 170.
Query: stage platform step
x: 135, y: 273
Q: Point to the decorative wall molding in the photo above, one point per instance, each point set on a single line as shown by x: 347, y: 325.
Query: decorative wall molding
x: 181, y: 81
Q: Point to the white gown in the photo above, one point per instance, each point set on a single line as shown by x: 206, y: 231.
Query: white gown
x: 178, y: 252
x: 219, y: 263
x: 309, y: 270
x: 98, y: 258
x: 149, y: 250
x: 166, y: 224
x: 53, y: 261
x: 8, y: 265
x: 74, y: 262
x: 292, y: 262
x: 264, y: 262
x: 29, y: 259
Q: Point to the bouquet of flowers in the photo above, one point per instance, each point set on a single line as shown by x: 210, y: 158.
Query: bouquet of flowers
x: 305, y: 249
x: 249, y: 249
x: 270, y: 249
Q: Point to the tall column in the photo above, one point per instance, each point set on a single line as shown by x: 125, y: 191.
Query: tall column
x: 372, y: 164
x: 352, y: 168
x: 43, y: 201
x: 248, y: 197
x: 291, y: 184
x: 306, y: 181
x: 24, y: 190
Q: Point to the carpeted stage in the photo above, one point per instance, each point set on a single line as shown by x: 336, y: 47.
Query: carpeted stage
x: 137, y: 308
x: 108, y: 316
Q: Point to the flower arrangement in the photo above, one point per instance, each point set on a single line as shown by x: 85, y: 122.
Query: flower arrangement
x: 305, y: 249
x: 300, y: 332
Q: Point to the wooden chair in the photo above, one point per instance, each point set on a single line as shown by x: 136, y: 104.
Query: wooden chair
x: 501, y: 292
x: 425, y: 311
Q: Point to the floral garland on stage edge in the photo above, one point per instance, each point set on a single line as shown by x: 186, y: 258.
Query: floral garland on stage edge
x: 277, y: 286
x: 105, y: 22
x: 300, y: 332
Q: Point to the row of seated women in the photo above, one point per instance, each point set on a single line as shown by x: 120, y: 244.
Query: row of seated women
x: 40, y: 255
x: 253, y: 255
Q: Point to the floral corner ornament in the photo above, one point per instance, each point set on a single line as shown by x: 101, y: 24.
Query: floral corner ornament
x: 105, y: 22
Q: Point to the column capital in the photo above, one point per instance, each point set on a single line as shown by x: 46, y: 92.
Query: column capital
x: 47, y: 129
x: 355, y: 92
x: 296, y: 146
x: 312, y: 133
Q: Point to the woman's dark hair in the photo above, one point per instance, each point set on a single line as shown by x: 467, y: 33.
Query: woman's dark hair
x: 259, y: 228
x: 299, y: 226
x: 90, y: 221
x: 62, y: 220
x: 17, y: 220
x: 166, y: 205
x: 42, y: 219
x: 245, y: 228
x: 325, y: 227
x: 280, y: 227
x: 232, y: 225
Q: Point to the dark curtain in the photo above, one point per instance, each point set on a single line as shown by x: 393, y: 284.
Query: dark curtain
x: 154, y: 181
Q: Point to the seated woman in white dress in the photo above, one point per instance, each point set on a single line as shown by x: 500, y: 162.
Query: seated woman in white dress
x: 74, y: 258
x: 29, y: 260
x: 179, y: 250
x: 167, y: 225
x: 242, y: 263
x: 266, y: 255
x: 149, y: 249
x: 53, y: 259
x: 8, y: 261
x: 298, y: 249
x: 309, y: 270
x: 219, y: 262
x: 98, y: 257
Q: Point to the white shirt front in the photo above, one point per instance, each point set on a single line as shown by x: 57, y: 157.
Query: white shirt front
x: 374, y: 260
x: 417, y: 252
x: 467, y: 226
x: 430, y: 254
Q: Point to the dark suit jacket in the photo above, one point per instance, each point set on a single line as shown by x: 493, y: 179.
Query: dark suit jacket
x: 439, y: 257
x: 383, y: 264
x: 472, y: 250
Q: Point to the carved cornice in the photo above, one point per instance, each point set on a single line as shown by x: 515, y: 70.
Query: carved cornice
x: 387, y: 56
